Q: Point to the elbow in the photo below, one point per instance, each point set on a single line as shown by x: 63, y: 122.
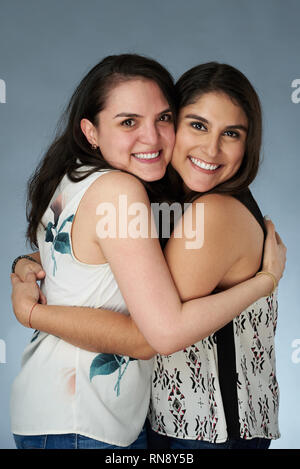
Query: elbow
x: 146, y: 353
x: 163, y: 348
x: 168, y: 342
x: 172, y: 341
x: 166, y: 350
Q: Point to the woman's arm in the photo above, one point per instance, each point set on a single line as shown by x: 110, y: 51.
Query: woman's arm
x: 146, y: 283
x: 96, y: 330
x: 23, y: 266
x: 151, y: 295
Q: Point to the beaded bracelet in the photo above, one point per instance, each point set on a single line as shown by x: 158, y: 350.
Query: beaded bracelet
x: 264, y: 272
x: 25, y: 256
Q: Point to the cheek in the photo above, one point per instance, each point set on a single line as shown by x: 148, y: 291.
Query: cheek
x: 236, y: 156
x: 178, y: 161
x: 182, y: 147
x: 174, y: 159
x: 179, y: 139
x: 104, y: 142
x: 168, y: 136
x: 116, y: 147
x: 125, y: 143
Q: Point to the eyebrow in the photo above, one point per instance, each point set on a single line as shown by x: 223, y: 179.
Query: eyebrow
x: 127, y: 114
x: 131, y: 114
x: 202, y: 119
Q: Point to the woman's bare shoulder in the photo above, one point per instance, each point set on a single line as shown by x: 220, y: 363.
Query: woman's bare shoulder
x: 224, y: 209
x: 118, y: 178
x: 112, y: 184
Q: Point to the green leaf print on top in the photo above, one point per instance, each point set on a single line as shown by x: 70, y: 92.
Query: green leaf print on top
x: 106, y: 364
x: 60, y: 240
x: 62, y: 243
x: 35, y: 336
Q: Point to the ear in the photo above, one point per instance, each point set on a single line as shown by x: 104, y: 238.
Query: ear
x: 89, y: 131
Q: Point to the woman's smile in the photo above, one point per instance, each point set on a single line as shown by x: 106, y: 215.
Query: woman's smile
x: 203, y: 165
x: 148, y: 157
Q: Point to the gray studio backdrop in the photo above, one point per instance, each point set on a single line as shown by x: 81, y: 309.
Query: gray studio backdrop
x: 46, y: 48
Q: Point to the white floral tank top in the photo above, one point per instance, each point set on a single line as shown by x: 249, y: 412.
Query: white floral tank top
x: 64, y: 389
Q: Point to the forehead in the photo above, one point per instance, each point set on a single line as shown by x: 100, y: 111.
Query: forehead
x: 136, y: 95
x: 216, y: 107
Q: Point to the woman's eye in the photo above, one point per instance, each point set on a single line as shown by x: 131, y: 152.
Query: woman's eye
x: 198, y: 125
x: 166, y: 118
x: 128, y: 123
x: 231, y: 133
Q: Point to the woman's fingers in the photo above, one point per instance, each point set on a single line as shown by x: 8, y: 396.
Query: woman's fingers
x: 42, y: 298
x: 30, y: 277
x: 41, y: 274
x: 272, y: 232
x: 279, y: 240
x: 275, y: 251
x: 24, y: 266
x: 269, y: 226
x: 14, y: 279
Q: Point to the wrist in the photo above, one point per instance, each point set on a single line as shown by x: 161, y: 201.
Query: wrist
x: 30, y: 315
x: 268, y: 281
x: 30, y: 308
x: 18, y: 259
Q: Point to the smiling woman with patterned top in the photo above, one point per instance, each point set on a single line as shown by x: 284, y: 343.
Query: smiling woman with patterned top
x: 221, y: 392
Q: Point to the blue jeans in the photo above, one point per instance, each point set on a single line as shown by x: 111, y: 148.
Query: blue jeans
x: 72, y: 441
x: 157, y: 441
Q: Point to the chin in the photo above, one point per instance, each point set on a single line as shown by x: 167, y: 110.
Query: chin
x: 199, y: 187
x: 153, y: 177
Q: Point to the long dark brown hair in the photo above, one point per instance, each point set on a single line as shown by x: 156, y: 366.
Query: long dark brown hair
x: 71, y: 150
x: 213, y: 76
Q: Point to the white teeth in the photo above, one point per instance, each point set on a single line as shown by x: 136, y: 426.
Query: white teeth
x: 146, y: 156
x: 203, y: 165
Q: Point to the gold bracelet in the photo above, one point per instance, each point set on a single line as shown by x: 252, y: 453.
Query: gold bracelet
x: 272, y: 277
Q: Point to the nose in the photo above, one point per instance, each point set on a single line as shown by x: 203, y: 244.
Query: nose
x: 149, y: 134
x: 211, y: 145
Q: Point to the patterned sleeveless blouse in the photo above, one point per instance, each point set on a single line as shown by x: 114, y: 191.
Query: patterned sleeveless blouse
x: 225, y: 385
